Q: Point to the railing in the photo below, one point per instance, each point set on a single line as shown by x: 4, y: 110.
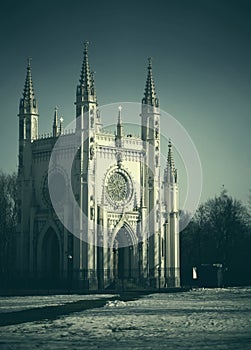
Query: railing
x: 95, y: 279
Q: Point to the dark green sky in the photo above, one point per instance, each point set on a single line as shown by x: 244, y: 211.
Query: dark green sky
x: 202, y: 67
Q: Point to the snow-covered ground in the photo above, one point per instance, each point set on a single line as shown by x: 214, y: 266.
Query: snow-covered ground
x: 199, y: 319
x: 8, y: 304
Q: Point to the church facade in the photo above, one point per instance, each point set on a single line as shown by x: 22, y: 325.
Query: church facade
x: 125, y: 230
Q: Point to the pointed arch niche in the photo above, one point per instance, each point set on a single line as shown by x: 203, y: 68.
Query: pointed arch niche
x: 125, y: 254
x: 50, y: 255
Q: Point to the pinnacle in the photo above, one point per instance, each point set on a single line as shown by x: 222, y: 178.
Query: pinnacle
x: 28, y: 93
x: 85, y: 77
x: 93, y: 88
x: 119, y: 115
x: 150, y: 97
x: 86, y: 89
x: 170, y: 161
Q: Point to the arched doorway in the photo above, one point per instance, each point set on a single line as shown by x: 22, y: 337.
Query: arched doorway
x: 125, y: 255
x: 50, y: 257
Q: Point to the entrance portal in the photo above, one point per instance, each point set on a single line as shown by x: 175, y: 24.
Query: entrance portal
x: 50, y: 256
x: 124, y: 255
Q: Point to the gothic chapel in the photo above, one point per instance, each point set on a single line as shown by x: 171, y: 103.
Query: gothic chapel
x: 128, y: 207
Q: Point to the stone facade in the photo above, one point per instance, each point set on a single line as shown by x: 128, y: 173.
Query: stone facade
x: 128, y: 213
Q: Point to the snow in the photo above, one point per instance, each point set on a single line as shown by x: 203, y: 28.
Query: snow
x: 199, y: 319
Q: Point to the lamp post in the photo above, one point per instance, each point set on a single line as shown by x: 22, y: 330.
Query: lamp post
x: 159, y: 270
x: 69, y: 265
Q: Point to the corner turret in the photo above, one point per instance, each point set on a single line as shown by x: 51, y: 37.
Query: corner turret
x: 171, y: 213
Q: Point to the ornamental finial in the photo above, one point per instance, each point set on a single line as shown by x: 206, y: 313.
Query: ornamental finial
x: 86, y: 45
x: 29, y: 59
x: 150, y: 62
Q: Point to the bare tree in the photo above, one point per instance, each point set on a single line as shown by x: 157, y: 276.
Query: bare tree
x: 219, y: 233
x: 8, y: 221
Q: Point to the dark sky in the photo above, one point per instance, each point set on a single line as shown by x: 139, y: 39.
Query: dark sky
x: 201, y: 61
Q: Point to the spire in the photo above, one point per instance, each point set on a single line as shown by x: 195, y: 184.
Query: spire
x: 28, y: 102
x: 86, y: 91
x: 55, y: 128
x: 120, y: 132
x: 28, y: 110
x: 93, y: 88
x: 61, y: 125
x: 119, y: 116
x: 28, y: 93
x: 170, y: 163
x: 85, y: 76
x: 150, y: 97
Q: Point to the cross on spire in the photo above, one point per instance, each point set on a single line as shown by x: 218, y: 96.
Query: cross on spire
x: 29, y: 59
